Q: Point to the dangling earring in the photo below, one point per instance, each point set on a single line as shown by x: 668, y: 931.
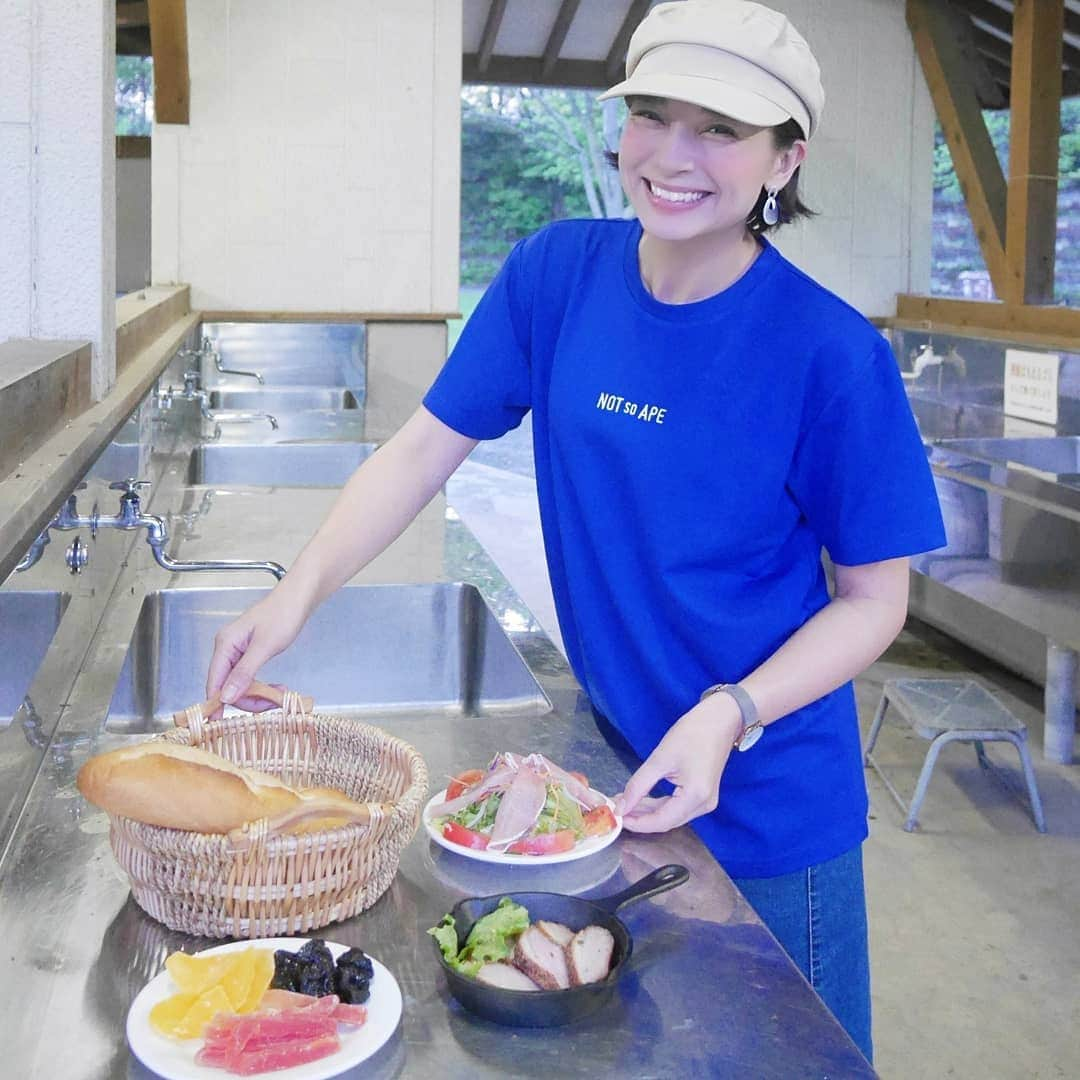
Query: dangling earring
x: 770, y: 212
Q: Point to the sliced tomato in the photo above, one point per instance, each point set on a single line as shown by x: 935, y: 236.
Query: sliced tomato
x: 462, y: 782
x: 544, y: 843
x: 599, y: 822
x: 459, y: 834
x: 580, y: 777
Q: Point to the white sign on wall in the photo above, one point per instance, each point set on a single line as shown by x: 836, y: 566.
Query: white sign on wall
x: 1031, y: 385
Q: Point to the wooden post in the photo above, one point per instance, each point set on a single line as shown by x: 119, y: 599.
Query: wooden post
x: 168, y: 42
x: 952, y: 88
x: 1034, y: 131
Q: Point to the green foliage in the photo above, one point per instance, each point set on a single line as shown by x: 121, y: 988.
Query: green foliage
x: 134, y: 95
x: 525, y: 159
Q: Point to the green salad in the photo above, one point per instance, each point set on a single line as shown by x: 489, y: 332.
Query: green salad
x: 560, y: 812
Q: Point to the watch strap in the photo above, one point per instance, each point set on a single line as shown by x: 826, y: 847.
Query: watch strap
x: 752, y: 729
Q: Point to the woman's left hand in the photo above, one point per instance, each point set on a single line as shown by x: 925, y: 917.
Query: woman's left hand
x: 692, y: 755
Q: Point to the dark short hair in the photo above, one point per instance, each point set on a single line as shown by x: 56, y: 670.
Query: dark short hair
x: 788, y: 202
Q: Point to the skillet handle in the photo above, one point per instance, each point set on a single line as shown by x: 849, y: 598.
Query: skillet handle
x: 660, y: 880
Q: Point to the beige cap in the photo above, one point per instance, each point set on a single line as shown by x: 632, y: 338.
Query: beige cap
x: 730, y: 56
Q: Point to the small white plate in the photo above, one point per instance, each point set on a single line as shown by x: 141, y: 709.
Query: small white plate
x: 582, y: 850
x: 174, y: 1059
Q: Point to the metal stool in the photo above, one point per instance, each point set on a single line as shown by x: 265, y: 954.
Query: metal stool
x: 952, y: 710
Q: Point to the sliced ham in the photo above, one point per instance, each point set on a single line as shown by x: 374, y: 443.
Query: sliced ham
x: 519, y: 808
x: 558, y: 933
x: 505, y: 976
x: 270, y: 1058
x: 542, y: 960
x: 280, y: 1000
x: 579, y: 792
x: 494, y: 781
x: 588, y: 956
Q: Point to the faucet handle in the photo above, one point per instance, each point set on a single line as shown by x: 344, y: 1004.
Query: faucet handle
x: 130, y: 486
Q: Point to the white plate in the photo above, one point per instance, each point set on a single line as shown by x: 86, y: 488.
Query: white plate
x: 582, y: 850
x: 174, y: 1059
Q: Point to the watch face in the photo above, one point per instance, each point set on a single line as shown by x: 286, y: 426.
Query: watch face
x: 751, y: 736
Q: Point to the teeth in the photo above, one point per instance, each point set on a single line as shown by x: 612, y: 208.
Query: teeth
x: 675, y: 196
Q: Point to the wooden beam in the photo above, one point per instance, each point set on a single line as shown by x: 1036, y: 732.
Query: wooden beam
x: 528, y: 71
x: 567, y: 11
x: 132, y: 146
x: 1034, y: 131
x: 132, y: 13
x: 168, y: 38
x: 933, y: 29
x: 1062, y: 324
x: 491, y: 32
x: 616, y: 57
x: 133, y: 42
x: 328, y: 316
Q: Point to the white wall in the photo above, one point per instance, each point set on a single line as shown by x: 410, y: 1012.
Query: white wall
x: 869, y: 170
x: 132, y: 223
x: 320, y: 169
x: 57, y: 195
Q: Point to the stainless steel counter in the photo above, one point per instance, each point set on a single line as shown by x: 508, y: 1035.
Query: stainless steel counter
x: 708, y: 990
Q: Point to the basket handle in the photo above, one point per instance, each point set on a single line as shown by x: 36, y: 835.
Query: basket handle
x: 256, y: 689
x: 249, y: 834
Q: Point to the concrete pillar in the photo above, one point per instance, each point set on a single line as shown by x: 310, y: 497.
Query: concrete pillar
x: 58, y: 176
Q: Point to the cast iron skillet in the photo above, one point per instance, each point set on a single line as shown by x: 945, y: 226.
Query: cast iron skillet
x: 548, y: 1008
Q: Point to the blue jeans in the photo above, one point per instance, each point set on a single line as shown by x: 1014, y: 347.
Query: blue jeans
x: 819, y: 916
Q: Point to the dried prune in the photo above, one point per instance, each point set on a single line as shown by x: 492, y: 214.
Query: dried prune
x: 287, y: 971
x: 351, y: 986
x: 356, y: 960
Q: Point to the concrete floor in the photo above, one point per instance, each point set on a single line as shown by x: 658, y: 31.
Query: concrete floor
x: 975, y: 943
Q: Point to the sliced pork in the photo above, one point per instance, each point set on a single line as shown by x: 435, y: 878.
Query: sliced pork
x: 505, y: 976
x: 558, y: 933
x: 542, y: 960
x: 588, y: 955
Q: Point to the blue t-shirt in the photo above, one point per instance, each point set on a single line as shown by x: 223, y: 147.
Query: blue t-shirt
x: 692, y: 461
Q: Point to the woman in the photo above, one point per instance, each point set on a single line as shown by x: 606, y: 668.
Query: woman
x: 706, y: 420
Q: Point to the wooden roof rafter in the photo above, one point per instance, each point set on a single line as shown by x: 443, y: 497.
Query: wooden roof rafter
x: 1015, y: 216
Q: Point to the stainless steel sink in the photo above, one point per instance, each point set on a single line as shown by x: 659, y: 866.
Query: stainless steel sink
x: 289, y: 354
x: 433, y: 650
x: 28, y: 621
x: 1058, y: 455
x: 314, y: 464
x: 285, y: 399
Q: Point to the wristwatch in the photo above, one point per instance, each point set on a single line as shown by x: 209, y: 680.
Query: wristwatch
x: 752, y: 728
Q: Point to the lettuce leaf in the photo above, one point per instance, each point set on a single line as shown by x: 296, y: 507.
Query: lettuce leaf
x: 492, y: 937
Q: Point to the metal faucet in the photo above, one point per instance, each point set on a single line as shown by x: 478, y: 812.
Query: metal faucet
x: 131, y: 516
x: 193, y: 392
x: 926, y: 358
x: 206, y: 349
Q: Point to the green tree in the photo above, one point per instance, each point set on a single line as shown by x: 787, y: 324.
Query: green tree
x: 134, y: 95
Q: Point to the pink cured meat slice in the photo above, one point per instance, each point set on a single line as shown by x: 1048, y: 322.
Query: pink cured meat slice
x: 521, y: 805
x: 282, y: 1056
x: 284, y: 1000
x: 494, y: 781
x: 260, y: 1031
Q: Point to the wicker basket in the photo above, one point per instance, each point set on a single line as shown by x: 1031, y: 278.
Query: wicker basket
x: 266, y: 884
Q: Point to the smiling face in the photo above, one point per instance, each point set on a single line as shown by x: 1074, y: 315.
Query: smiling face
x: 690, y: 173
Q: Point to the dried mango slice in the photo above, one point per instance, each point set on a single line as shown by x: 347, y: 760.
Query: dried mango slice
x: 236, y: 982
x: 194, y: 974
x: 260, y: 980
x: 166, y: 1016
x: 205, y: 1008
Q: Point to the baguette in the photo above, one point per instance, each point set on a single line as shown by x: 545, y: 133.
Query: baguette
x: 184, y: 787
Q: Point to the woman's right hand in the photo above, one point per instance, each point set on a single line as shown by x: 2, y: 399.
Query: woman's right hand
x: 241, y: 648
